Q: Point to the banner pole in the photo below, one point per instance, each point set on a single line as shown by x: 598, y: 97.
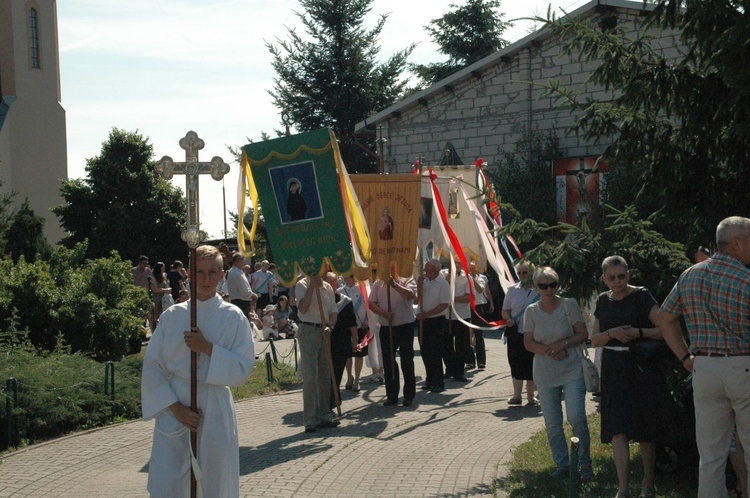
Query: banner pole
x: 390, y: 331
x: 193, y: 364
x: 327, y: 342
x: 420, y: 285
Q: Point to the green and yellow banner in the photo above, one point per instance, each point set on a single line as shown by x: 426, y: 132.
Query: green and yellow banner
x: 309, y: 206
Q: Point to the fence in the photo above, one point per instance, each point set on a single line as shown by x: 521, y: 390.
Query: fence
x: 272, y: 355
x: 13, y: 427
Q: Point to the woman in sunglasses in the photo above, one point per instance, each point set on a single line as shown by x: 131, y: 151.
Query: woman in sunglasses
x: 631, y: 392
x: 553, y: 329
x: 517, y: 299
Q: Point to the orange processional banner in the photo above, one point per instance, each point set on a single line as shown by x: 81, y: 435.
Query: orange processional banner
x: 391, y: 206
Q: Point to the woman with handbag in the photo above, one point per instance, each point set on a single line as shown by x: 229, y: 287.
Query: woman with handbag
x: 521, y: 361
x: 633, y: 387
x: 553, y: 329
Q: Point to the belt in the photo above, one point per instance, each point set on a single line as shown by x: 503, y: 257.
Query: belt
x: 703, y: 353
x: 312, y: 324
x: 617, y: 348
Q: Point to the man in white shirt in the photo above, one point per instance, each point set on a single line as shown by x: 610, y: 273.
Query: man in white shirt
x: 457, y: 344
x: 226, y: 355
x: 392, y: 300
x: 435, y: 296
x: 484, y: 306
x: 261, y: 281
x: 316, y: 375
x: 240, y: 292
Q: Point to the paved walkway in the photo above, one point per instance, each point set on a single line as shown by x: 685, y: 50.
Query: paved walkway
x: 455, y: 443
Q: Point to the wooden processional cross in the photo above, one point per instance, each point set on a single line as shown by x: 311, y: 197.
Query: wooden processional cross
x: 193, y: 235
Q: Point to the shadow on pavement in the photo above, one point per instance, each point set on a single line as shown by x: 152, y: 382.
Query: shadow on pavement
x: 518, y: 412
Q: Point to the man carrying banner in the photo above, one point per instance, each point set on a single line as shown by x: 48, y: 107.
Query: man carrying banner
x: 396, y: 310
x: 316, y: 375
x: 435, y: 298
x: 344, y: 336
x: 457, y: 344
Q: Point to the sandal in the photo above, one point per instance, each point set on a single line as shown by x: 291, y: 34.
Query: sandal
x: 648, y: 493
x: 514, y: 401
x: 348, y: 387
x: 532, y: 402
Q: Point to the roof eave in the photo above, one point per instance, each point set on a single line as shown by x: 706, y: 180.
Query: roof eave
x: 476, y: 69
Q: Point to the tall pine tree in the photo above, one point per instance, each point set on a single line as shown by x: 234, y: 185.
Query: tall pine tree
x: 332, y: 77
x: 26, y: 235
x: 684, y: 123
x: 466, y: 34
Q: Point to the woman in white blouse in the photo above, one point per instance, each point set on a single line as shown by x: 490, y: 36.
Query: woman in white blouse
x: 553, y: 330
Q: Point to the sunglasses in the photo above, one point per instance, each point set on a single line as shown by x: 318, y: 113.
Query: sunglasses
x: 523, y: 273
x: 621, y: 276
x: 551, y: 285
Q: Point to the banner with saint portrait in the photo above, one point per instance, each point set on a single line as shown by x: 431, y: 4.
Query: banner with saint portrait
x: 308, y: 204
x: 391, y: 206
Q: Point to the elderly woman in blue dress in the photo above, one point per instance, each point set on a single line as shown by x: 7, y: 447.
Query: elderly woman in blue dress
x: 553, y: 329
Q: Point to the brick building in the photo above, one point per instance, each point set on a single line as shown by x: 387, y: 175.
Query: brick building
x: 482, y: 108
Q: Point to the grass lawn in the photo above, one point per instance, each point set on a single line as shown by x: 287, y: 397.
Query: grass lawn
x: 284, y: 376
x: 529, y: 472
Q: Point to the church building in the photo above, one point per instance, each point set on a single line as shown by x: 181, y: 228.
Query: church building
x: 33, y: 149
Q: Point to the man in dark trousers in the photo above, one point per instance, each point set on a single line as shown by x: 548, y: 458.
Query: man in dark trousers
x: 400, y: 294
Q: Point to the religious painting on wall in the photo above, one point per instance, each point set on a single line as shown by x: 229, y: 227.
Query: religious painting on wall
x: 578, y: 185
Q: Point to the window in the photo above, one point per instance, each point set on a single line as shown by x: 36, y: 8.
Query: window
x: 34, y: 38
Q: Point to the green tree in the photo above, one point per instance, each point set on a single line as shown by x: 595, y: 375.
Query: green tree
x: 466, y: 34
x: 523, y: 177
x: 334, y: 79
x: 6, y: 201
x: 123, y: 204
x: 26, y: 235
x: 83, y: 305
x: 654, y: 261
x: 685, y: 121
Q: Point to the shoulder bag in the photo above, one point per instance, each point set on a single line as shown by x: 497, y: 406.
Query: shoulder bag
x: 590, y: 372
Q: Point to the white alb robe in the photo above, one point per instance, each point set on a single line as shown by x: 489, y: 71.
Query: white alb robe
x: 166, y: 379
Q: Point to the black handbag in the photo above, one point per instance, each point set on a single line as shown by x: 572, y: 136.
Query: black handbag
x: 649, y: 350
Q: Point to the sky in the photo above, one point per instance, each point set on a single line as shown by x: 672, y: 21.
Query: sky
x: 168, y: 67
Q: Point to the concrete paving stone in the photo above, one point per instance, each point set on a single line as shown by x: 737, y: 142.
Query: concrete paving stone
x: 455, y: 443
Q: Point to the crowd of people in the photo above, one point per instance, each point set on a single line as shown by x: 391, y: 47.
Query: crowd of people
x: 337, y: 323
